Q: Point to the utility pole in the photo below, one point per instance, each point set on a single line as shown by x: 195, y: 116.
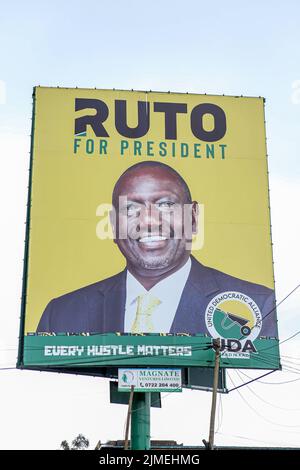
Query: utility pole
x: 210, y: 444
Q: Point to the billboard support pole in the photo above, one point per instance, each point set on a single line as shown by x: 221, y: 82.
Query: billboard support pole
x: 128, y: 416
x: 140, y: 421
x: 210, y: 444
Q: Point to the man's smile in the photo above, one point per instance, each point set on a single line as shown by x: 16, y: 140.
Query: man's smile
x: 152, y: 241
x: 152, y: 238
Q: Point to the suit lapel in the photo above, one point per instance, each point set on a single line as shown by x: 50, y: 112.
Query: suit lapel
x: 112, y: 310
x: 200, y: 285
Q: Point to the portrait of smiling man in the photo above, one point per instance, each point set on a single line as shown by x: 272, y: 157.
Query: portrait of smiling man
x: 163, y: 288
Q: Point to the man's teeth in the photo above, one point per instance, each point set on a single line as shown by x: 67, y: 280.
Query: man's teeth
x: 153, y: 238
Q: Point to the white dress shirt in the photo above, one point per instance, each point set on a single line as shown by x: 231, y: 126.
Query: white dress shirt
x: 168, y: 291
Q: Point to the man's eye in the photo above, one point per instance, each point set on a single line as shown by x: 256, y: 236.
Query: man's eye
x: 131, y: 209
x: 165, y: 205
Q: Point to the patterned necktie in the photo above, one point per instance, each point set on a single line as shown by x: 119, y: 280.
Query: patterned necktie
x: 145, y: 307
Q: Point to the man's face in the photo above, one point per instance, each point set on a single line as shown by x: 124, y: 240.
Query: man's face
x: 154, y: 220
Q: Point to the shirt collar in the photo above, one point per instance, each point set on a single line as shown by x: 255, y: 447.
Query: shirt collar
x: 162, y: 289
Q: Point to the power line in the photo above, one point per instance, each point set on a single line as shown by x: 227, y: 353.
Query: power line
x: 261, y: 399
x: 268, y: 361
x: 258, y: 414
x: 279, y: 303
x: 271, y: 383
x: 253, y: 380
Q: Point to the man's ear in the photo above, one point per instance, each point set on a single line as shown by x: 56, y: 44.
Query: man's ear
x: 195, y: 217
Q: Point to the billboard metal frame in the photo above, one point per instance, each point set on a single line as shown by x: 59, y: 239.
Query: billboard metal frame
x: 90, y: 370
x: 26, y: 244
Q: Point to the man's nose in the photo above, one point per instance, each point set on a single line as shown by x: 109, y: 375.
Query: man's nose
x: 150, y: 216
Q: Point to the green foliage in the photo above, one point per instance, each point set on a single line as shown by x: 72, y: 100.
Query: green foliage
x: 79, y: 443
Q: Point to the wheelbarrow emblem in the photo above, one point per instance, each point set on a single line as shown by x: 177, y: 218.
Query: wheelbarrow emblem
x: 235, y: 320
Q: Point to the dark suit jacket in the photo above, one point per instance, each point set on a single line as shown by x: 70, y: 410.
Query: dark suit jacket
x: 100, y: 307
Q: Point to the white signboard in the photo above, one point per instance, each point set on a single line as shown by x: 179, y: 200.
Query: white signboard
x: 150, y: 380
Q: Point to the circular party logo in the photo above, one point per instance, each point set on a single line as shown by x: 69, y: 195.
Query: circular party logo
x: 233, y: 315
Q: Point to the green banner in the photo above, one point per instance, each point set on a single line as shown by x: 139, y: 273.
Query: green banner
x: 147, y: 350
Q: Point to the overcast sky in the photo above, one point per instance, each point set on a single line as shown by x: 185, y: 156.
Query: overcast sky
x: 233, y: 47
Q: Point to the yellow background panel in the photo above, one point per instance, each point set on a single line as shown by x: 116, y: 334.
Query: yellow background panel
x: 67, y: 188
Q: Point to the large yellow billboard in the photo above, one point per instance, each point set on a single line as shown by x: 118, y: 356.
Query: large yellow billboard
x: 148, y: 231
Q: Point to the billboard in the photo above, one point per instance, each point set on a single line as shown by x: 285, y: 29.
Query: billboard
x: 148, y: 232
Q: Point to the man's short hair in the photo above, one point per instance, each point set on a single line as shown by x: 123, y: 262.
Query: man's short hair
x: 156, y: 164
